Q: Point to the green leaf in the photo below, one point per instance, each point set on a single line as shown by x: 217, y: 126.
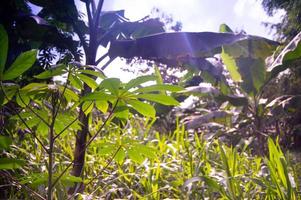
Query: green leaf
x: 111, y: 84
x: 11, y: 163
x: 23, y: 62
x: 161, y: 87
x: 120, y: 156
x: 224, y: 28
x: 253, y: 72
x: 34, y: 87
x: 69, y: 94
x: 3, y: 48
x: 89, y: 81
x: 56, y: 71
x: 135, y: 155
x: 87, y: 107
x: 147, y: 151
x: 138, y: 81
x: 97, y: 96
x: 143, y: 108
x: 121, y: 111
x: 158, y: 74
x: 106, y: 148
x: 75, y: 82
x: 245, y: 60
x: 159, y: 98
x: 5, y: 142
x: 22, y: 99
x: 231, y: 65
x: 102, y: 106
x: 93, y: 73
x: 8, y: 93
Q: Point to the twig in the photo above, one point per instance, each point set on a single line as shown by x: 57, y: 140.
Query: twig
x: 36, y: 114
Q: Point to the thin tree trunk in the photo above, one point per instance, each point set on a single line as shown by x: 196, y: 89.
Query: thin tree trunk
x: 82, y: 134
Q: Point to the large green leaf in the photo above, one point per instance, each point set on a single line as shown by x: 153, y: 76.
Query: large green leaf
x: 231, y: 65
x: 159, y: 98
x: 97, y: 96
x: 111, y: 84
x: 163, y: 46
x: 20, y: 65
x: 143, y: 108
x: 138, y: 81
x: 93, y: 73
x: 3, y: 48
x: 253, y: 72
x: 245, y: 60
x: 89, y: 81
x: 55, y: 71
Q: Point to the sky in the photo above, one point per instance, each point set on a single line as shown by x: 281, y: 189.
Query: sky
x: 197, y: 16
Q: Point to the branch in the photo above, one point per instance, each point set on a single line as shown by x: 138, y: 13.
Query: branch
x: 97, y: 14
x: 93, y: 6
x: 70, y: 124
x: 90, y: 19
x: 105, y: 65
x: 101, y: 58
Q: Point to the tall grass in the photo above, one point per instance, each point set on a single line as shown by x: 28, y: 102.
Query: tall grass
x: 135, y: 164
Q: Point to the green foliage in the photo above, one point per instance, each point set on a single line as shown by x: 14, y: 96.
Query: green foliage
x: 112, y: 120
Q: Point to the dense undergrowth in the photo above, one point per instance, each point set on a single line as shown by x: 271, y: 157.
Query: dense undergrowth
x: 134, y: 164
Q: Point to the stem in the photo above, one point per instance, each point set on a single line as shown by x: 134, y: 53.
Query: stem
x: 51, y: 145
x: 86, y: 146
